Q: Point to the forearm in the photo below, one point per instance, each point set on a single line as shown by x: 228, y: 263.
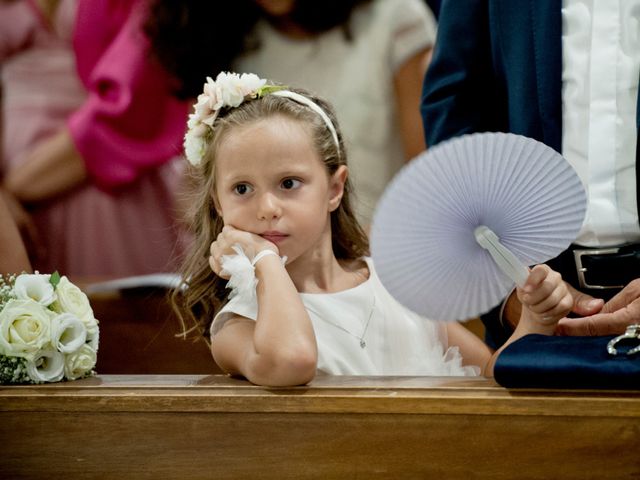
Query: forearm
x: 14, y: 257
x: 284, y: 345
x: 526, y: 325
x: 54, y: 167
x: 408, y: 90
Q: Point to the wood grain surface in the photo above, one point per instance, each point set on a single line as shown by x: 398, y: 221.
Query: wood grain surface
x: 195, y: 426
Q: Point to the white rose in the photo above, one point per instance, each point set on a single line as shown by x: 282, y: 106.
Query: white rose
x: 47, y: 366
x: 73, y: 300
x: 228, y: 89
x: 93, y: 339
x: 194, y: 121
x: 25, y: 327
x: 200, y: 130
x: 250, y: 83
x: 36, y: 287
x: 210, y: 94
x: 79, y: 363
x: 68, y: 333
x: 194, y: 147
x: 203, y: 107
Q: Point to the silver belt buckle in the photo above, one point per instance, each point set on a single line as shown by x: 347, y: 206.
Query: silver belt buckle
x: 579, y: 253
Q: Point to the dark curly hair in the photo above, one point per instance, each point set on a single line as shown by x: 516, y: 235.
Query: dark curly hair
x: 195, y: 38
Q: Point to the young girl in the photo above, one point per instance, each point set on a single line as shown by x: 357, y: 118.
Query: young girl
x: 274, y: 193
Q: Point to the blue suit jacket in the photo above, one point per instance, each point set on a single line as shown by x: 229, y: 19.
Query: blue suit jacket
x: 497, y: 66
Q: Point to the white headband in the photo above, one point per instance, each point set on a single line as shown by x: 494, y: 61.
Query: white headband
x: 313, y: 106
x: 230, y: 90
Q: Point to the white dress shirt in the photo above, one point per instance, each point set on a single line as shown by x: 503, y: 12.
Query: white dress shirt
x: 601, y: 70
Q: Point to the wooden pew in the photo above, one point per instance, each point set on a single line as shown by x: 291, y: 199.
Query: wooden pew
x: 215, y: 427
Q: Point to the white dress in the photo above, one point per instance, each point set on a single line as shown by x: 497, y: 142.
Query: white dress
x: 365, y: 331
x: 357, y: 78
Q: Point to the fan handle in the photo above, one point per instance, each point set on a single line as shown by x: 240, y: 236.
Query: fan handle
x: 506, y: 260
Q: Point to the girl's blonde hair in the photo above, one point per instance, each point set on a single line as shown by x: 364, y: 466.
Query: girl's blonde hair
x: 205, y: 293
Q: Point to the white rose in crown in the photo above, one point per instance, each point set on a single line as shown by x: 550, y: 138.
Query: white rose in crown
x: 25, y: 327
x: 79, y: 363
x: 228, y: 90
x: 194, y: 147
x: 73, y: 300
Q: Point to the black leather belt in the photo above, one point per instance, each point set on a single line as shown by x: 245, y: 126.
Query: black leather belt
x: 609, y: 268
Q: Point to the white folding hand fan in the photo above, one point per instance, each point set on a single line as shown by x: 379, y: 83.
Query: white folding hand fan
x: 457, y: 226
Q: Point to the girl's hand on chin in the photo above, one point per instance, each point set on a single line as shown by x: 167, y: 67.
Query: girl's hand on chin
x: 230, y: 236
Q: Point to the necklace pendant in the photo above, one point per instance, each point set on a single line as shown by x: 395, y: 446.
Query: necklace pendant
x: 362, y: 343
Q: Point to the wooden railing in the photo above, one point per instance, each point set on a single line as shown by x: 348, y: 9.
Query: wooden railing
x: 215, y: 427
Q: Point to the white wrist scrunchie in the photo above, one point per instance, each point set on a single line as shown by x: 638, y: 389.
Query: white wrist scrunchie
x: 241, y: 271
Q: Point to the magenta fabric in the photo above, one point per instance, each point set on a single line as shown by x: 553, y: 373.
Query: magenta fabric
x: 130, y: 122
x: 123, y: 120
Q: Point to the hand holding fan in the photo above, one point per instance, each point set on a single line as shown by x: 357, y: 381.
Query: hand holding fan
x: 457, y: 227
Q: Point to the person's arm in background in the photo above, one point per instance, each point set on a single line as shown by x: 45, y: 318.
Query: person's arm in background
x: 13, y: 256
x: 413, y: 33
x: 52, y: 168
x: 129, y: 123
x: 54, y: 165
x: 407, y: 83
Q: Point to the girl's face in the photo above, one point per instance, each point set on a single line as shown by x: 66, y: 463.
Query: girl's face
x: 270, y: 181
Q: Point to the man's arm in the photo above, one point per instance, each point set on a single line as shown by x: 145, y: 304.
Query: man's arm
x: 460, y: 92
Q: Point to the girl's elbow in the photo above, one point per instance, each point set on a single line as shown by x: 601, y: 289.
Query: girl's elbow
x: 295, y: 366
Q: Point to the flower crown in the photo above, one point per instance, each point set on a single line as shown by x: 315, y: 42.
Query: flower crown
x: 230, y: 90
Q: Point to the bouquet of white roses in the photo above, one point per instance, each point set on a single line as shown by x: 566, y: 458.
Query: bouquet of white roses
x: 47, y: 330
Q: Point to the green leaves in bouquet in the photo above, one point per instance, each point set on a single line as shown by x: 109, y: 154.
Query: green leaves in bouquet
x: 54, y: 279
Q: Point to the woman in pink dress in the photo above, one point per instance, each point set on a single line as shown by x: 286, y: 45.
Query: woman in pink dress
x: 92, y: 135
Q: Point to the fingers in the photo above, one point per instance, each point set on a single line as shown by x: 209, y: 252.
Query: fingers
x: 601, y: 323
x: 229, y: 237
x: 628, y: 295
x: 216, y: 267
x: 584, y: 304
x: 541, y: 285
x: 546, y: 295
